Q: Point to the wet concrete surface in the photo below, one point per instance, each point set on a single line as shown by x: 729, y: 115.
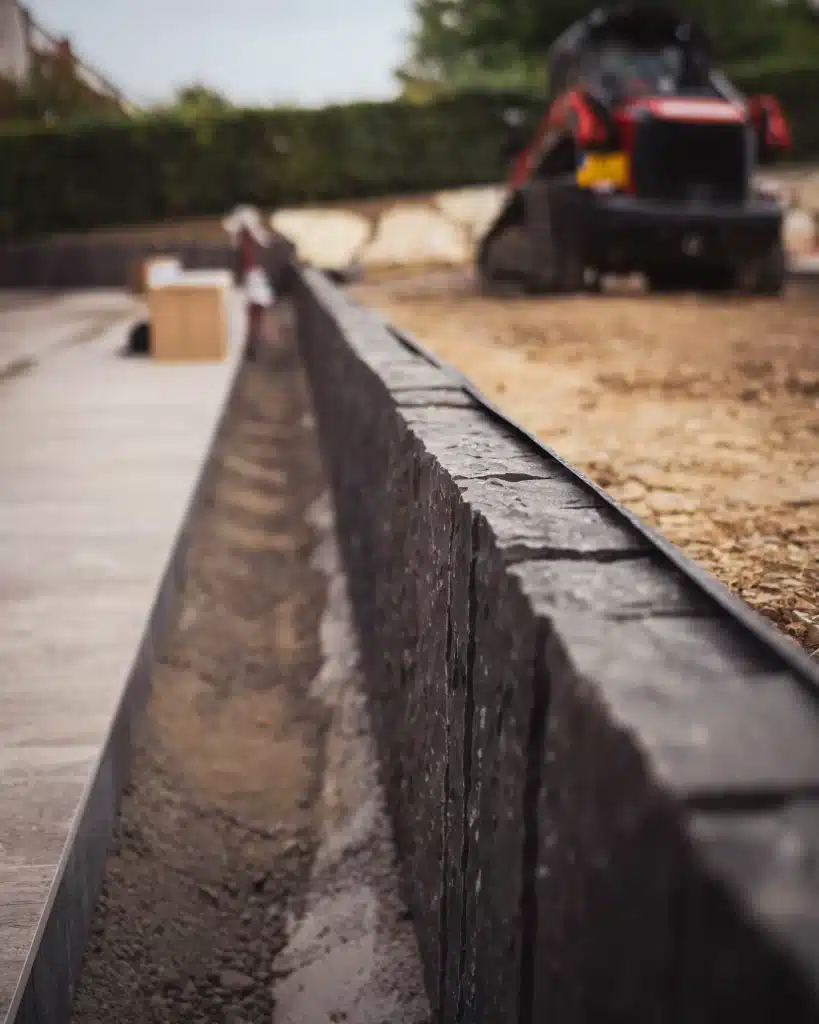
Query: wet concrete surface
x: 99, y: 459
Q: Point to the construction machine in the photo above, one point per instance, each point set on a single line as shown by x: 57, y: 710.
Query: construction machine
x: 645, y: 162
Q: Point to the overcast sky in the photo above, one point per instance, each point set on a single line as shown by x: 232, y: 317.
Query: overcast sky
x: 256, y: 51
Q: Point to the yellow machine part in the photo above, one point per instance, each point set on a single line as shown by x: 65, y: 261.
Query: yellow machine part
x: 610, y: 169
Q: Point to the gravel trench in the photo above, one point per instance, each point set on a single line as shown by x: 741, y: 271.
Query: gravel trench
x: 212, y: 877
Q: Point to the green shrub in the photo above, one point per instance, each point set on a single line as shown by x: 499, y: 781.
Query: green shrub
x: 160, y: 168
x: 91, y: 175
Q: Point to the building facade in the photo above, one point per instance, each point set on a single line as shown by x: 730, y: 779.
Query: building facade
x: 28, y: 51
x: 15, y: 46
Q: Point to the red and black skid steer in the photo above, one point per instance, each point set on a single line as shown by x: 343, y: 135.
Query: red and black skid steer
x: 644, y: 163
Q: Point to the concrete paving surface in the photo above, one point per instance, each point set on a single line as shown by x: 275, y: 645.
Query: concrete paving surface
x: 99, y: 459
x: 32, y: 326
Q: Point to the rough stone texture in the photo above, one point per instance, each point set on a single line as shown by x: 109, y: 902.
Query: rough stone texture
x: 505, y: 644
x: 548, y: 521
x: 629, y: 589
x: 766, y: 860
x: 567, y: 730
x: 438, y: 398
x: 472, y: 452
x: 640, y: 715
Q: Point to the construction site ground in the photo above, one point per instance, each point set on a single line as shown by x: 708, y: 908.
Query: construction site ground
x: 700, y: 415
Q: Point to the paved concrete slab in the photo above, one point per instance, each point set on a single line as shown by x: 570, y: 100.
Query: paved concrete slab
x: 100, y: 457
x: 33, y: 326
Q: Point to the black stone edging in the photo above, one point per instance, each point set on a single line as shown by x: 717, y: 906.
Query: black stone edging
x: 50, y: 976
x: 778, y: 645
x: 605, y: 791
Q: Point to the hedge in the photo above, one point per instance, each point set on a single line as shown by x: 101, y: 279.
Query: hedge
x: 155, y: 169
x: 146, y: 170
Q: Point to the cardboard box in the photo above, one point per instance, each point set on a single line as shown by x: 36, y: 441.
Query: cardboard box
x: 189, y: 317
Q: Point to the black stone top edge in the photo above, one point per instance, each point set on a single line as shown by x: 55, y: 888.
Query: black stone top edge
x: 771, y: 641
x: 784, y: 649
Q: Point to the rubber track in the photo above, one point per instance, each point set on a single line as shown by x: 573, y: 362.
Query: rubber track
x: 776, y: 643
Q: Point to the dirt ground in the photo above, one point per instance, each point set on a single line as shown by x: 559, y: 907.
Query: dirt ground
x: 219, y: 825
x: 701, y: 415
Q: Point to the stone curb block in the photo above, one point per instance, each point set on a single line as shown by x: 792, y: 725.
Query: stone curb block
x: 604, y: 793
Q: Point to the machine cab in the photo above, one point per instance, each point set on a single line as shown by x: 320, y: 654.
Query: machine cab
x: 632, y: 53
x: 610, y: 69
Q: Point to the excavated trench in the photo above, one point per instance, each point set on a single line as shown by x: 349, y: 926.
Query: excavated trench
x: 221, y: 902
x: 251, y: 876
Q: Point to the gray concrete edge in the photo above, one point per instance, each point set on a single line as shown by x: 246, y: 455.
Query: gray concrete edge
x: 47, y: 983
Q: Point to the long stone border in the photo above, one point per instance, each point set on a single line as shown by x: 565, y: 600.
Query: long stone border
x: 605, y: 793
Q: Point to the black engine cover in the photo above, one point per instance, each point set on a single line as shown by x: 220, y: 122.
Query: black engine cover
x: 681, y: 161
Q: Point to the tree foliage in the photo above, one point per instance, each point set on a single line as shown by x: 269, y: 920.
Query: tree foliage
x: 460, y: 43
x: 195, y: 101
x: 453, y: 47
